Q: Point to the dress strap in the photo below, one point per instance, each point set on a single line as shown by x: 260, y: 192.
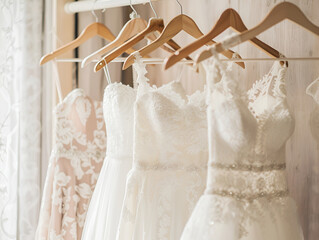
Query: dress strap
x: 180, y: 72
x: 274, y: 83
x: 279, y: 78
x: 313, y: 90
x: 107, y: 73
x: 218, y: 73
x: 142, y: 81
x: 57, y: 81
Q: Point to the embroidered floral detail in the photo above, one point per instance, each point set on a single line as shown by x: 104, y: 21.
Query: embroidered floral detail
x: 74, y: 167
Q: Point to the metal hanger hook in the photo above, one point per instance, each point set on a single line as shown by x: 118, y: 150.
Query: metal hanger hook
x: 155, y: 13
x: 180, y: 6
x: 93, y: 12
x: 134, y: 10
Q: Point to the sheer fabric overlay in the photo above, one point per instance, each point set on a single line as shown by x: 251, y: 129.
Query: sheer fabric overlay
x: 106, y: 204
x: 170, y: 161
x: 74, y: 167
x: 21, y: 120
x: 246, y: 195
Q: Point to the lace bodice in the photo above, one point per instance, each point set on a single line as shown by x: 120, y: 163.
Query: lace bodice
x: 74, y: 167
x: 118, y: 108
x: 171, y: 127
x: 170, y: 161
x: 247, y: 134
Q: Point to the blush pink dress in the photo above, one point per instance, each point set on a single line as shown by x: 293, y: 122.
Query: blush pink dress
x: 75, y: 164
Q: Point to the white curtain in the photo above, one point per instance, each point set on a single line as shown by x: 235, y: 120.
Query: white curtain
x: 20, y: 117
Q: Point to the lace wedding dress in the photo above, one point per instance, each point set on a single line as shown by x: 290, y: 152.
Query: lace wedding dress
x: 74, y: 167
x: 170, y: 161
x: 106, y: 203
x: 246, y: 196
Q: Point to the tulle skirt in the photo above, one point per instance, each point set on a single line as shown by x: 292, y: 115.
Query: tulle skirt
x: 225, y: 218
x: 158, y: 203
x: 106, y: 203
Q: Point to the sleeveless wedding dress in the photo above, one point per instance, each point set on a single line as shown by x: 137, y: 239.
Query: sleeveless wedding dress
x: 246, y: 196
x: 74, y: 167
x: 170, y: 161
x: 106, y: 203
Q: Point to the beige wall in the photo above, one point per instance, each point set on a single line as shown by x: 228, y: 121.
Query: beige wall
x: 288, y: 38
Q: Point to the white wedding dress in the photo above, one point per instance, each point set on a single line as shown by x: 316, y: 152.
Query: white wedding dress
x: 105, y: 207
x: 246, y: 196
x: 170, y: 161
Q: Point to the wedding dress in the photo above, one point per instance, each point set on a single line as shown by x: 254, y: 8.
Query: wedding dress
x: 75, y: 164
x: 246, y: 196
x: 170, y: 161
x: 106, y: 203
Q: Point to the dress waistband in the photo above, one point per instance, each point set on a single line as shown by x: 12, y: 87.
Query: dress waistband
x: 246, y: 167
x: 145, y: 166
x: 241, y: 184
x: 68, y: 153
x: 247, y: 197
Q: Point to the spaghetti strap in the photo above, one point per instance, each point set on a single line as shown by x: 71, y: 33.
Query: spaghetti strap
x: 218, y: 74
x: 142, y: 81
x: 107, y: 73
x: 58, y: 82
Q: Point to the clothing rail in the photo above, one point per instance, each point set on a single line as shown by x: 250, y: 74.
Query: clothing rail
x: 161, y: 61
x: 85, y: 6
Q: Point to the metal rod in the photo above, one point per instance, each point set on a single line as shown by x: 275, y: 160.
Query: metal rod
x: 272, y: 59
x: 85, y: 6
x: 161, y: 61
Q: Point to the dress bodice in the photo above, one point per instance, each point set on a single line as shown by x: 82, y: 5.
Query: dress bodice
x: 170, y: 127
x: 248, y: 133
x: 118, y: 108
x: 80, y: 128
x: 74, y: 167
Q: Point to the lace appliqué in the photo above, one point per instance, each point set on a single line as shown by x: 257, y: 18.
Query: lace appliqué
x: 272, y: 83
x: 220, y: 78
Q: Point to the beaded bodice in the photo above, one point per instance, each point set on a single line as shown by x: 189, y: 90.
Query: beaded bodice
x: 247, y: 134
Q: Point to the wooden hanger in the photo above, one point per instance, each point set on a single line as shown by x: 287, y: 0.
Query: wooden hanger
x: 175, y: 26
x: 154, y: 25
x: 131, y: 28
x: 284, y: 10
x: 94, y: 29
x: 229, y: 19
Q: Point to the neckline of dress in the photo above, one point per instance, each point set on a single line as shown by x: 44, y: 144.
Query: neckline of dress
x: 185, y: 99
x: 72, y: 96
x: 119, y: 84
x: 274, y: 71
x: 243, y: 95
